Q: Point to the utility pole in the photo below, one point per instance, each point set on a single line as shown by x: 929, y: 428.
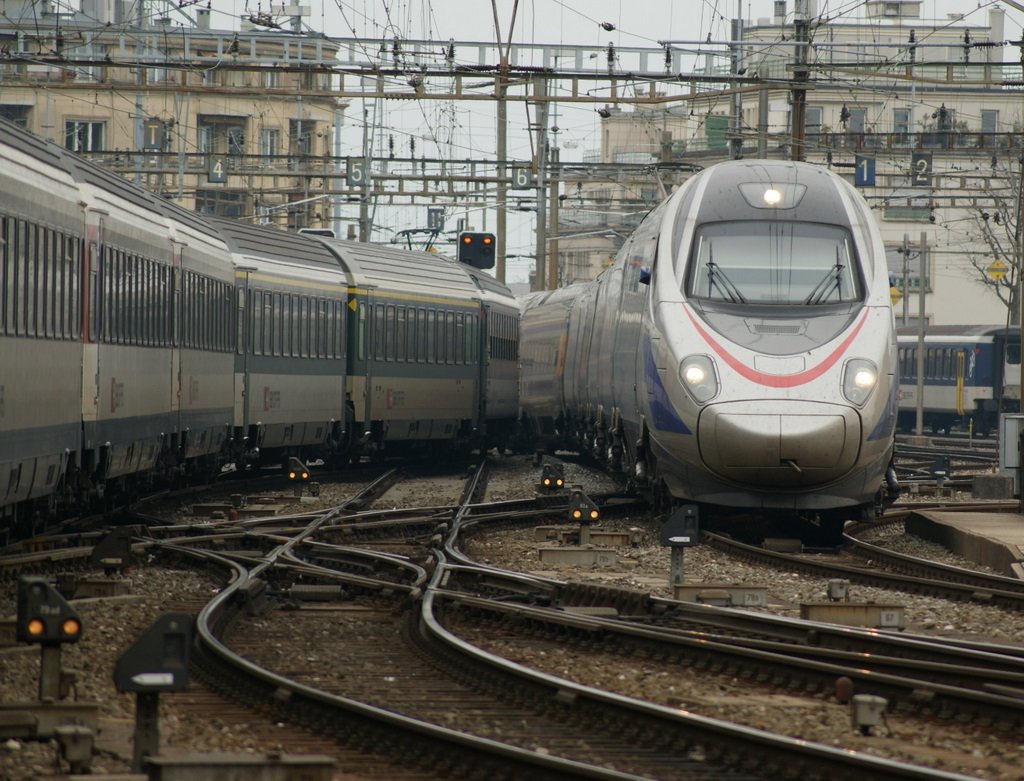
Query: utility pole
x: 540, y: 87
x: 501, y: 93
x: 736, y: 139
x: 800, y: 77
x: 922, y: 277
x: 553, y: 248
x: 906, y: 278
x: 762, y: 122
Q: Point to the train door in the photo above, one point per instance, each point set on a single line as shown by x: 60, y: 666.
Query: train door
x: 249, y: 313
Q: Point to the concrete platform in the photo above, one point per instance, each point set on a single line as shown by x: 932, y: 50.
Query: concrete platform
x: 993, y: 539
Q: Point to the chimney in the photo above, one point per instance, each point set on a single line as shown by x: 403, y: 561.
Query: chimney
x: 779, y: 16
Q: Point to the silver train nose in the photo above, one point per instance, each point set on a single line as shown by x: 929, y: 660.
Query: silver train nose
x: 784, y: 444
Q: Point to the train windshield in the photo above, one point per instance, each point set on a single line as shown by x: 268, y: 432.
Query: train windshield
x: 774, y: 262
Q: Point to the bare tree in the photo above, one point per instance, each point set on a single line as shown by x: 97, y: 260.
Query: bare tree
x: 999, y: 227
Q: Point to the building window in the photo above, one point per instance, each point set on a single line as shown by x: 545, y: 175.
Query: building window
x: 16, y: 114
x: 270, y: 142
x: 83, y: 136
x: 989, y: 120
x: 221, y: 203
x: 857, y: 121
x: 300, y: 136
x: 901, y: 126
x: 812, y: 124
x: 221, y: 135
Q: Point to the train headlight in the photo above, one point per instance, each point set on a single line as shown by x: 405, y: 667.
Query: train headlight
x: 859, y: 379
x: 697, y: 373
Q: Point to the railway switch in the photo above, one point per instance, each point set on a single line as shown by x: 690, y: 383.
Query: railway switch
x: 44, y: 616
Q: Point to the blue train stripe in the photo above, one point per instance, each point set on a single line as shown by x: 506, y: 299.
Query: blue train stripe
x: 663, y: 414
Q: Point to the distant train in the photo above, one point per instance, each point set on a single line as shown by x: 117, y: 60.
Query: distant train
x: 971, y: 375
x: 141, y: 341
x: 739, y: 354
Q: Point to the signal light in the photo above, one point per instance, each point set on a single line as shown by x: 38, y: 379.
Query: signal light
x: 44, y: 616
x: 582, y: 508
x: 297, y: 470
x: 552, y: 478
x: 476, y: 249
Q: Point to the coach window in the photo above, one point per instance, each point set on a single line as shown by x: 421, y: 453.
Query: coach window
x: 74, y: 303
x: 15, y: 275
x: 273, y: 327
x: 378, y: 332
x: 421, y: 335
x: 460, y: 335
x: 28, y: 275
x: 428, y: 353
x: 389, y: 333
x: 449, y: 337
x: 283, y: 324
x: 400, y: 333
x: 57, y: 284
x: 5, y: 256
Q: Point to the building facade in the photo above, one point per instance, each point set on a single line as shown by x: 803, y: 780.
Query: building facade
x: 237, y: 124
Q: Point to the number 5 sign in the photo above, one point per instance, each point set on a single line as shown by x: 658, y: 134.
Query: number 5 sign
x: 356, y: 171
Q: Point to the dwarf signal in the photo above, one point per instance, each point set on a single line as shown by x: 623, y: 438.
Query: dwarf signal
x: 552, y: 478
x: 44, y: 616
x: 297, y: 470
x: 582, y: 508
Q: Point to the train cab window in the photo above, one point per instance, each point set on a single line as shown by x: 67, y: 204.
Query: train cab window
x: 773, y: 262
x: 1013, y: 354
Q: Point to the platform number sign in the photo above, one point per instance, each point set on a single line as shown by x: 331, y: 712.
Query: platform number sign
x: 522, y: 178
x: 218, y: 171
x: 864, y: 171
x: 356, y: 172
x: 154, y: 135
x: 921, y: 169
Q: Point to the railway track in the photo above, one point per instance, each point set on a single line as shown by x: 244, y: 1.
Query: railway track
x: 408, y: 611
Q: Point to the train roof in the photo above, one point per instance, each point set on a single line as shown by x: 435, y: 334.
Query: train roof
x: 273, y: 244
x: 390, y: 269
x: 15, y: 136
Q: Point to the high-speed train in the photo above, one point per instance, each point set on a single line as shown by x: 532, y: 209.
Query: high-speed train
x: 739, y: 354
x: 139, y: 340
